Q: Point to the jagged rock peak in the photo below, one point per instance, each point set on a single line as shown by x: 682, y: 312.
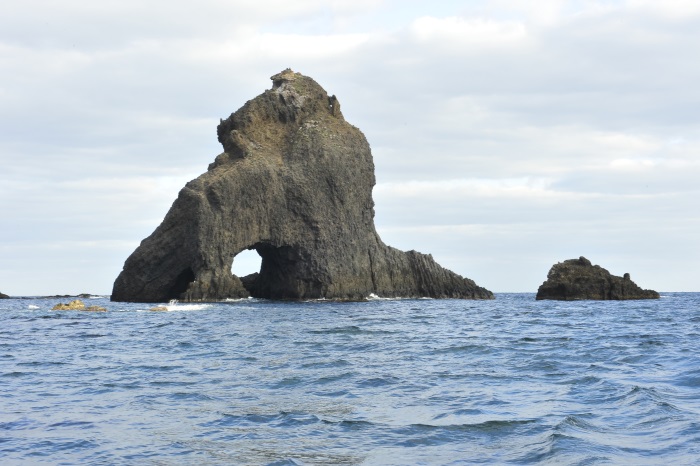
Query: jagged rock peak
x: 295, y: 184
x: 293, y: 100
x: 577, y: 279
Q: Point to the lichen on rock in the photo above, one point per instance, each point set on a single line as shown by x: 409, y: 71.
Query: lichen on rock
x: 578, y: 279
x: 295, y: 184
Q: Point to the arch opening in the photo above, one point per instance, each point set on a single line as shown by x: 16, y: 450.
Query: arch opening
x: 272, y: 272
x: 246, y: 262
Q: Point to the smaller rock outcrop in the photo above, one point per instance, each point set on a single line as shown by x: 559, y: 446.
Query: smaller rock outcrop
x: 577, y: 279
x: 4, y: 296
x: 95, y: 309
x: 77, y: 305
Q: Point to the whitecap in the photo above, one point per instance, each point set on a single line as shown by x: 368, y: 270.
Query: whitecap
x: 187, y: 307
x: 374, y: 297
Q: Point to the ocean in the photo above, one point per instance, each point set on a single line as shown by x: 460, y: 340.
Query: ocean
x: 382, y: 382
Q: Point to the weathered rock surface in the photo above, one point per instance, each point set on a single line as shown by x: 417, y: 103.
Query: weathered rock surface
x: 295, y: 184
x: 576, y: 279
x: 77, y: 305
x: 4, y: 296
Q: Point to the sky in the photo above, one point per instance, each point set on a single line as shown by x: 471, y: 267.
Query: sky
x: 507, y: 135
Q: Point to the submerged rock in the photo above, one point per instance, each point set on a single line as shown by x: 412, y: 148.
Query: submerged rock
x: 95, y: 309
x: 77, y: 305
x: 295, y: 184
x: 576, y: 279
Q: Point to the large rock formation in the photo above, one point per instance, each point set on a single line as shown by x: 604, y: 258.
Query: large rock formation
x: 295, y: 184
x: 576, y: 279
x: 4, y: 296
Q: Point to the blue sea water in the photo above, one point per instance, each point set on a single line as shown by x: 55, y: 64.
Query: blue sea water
x: 384, y: 382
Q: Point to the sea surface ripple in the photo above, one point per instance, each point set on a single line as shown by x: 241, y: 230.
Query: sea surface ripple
x: 383, y: 382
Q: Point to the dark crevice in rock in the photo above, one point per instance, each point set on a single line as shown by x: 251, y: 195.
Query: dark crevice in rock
x: 249, y: 281
x: 182, y: 282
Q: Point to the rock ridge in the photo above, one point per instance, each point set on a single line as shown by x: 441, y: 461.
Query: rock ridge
x: 578, y: 279
x: 295, y: 184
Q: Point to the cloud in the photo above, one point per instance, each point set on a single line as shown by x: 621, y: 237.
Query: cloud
x: 503, y: 132
x: 461, y: 36
x: 462, y: 187
x: 275, y: 47
x: 673, y: 10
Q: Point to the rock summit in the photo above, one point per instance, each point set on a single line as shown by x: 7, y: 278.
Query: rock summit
x: 576, y: 279
x: 295, y: 184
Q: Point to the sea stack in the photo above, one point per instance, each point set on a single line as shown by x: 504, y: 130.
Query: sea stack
x: 576, y: 279
x: 295, y: 184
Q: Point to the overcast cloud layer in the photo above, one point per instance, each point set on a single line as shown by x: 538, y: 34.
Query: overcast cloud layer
x: 506, y: 138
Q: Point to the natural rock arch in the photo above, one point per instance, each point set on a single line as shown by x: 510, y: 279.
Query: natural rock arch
x: 294, y: 183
